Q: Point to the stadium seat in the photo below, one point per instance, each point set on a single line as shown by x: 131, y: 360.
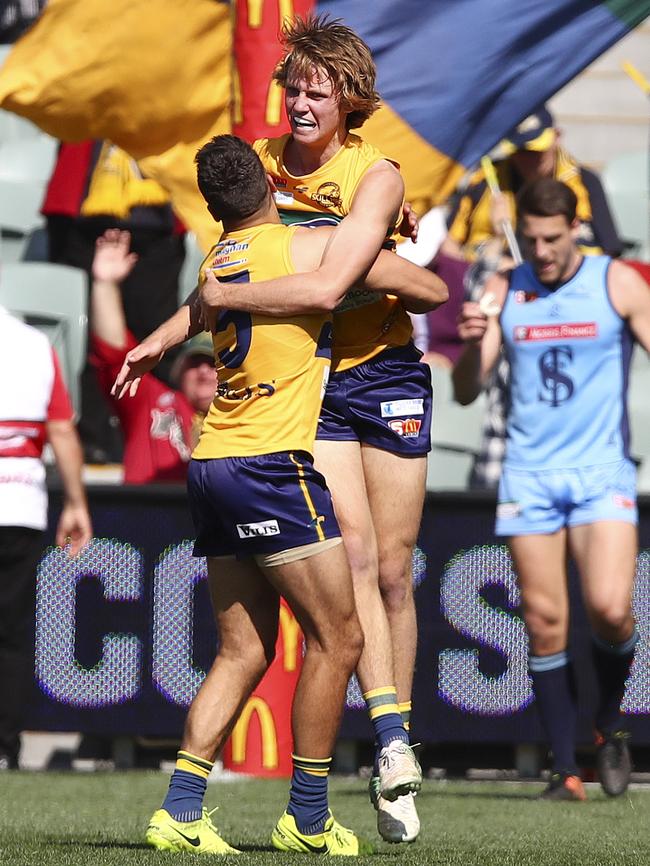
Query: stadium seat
x: 455, y: 435
x: 627, y: 184
x: 25, y: 167
x: 13, y: 127
x: 53, y: 298
x: 448, y: 469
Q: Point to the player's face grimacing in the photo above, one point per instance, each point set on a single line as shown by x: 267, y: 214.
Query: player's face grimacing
x: 313, y: 108
x: 549, y: 244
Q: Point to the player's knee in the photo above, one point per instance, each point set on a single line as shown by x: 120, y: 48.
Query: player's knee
x: 254, y: 658
x: 546, y: 633
x: 351, y: 645
x: 613, y: 620
x: 395, y: 580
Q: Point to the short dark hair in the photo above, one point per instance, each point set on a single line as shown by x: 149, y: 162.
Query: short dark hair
x: 547, y: 197
x: 231, y: 177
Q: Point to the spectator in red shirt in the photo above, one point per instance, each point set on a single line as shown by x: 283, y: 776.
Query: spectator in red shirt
x: 161, y: 425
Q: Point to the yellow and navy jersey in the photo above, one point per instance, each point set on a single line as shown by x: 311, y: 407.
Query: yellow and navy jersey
x: 469, y: 218
x: 271, y: 372
x: 365, y: 323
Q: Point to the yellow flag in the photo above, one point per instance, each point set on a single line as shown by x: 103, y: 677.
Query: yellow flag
x: 153, y: 77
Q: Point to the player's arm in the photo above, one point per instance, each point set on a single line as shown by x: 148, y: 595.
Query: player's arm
x: 630, y: 296
x: 74, y: 525
x: 479, y: 329
x: 350, y: 252
x: 185, y: 323
x: 419, y: 289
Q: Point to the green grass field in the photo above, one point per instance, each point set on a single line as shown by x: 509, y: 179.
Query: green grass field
x: 75, y: 819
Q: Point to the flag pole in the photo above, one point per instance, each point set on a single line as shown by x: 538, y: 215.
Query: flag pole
x: 506, y: 226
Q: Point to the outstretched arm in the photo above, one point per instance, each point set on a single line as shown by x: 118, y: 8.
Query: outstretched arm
x: 112, y: 263
x: 185, y: 323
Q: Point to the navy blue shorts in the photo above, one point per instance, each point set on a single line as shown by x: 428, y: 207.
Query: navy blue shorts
x: 385, y: 402
x: 250, y: 506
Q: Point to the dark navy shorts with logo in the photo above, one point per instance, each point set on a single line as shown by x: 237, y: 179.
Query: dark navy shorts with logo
x: 385, y: 402
x: 250, y: 506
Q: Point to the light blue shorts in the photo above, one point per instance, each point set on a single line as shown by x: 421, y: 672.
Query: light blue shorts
x: 539, y: 502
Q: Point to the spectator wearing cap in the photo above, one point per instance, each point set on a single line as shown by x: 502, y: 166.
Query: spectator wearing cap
x: 160, y: 424
x: 531, y: 151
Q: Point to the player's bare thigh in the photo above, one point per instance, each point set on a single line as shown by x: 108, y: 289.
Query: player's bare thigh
x: 395, y: 489
x: 540, y: 565
x: 605, y: 553
x: 342, y: 466
x: 245, y: 606
x: 246, y: 610
x: 319, y: 591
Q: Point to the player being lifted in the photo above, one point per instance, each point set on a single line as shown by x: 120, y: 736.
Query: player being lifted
x: 263, y: 514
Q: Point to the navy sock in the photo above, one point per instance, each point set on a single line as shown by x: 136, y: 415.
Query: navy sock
x: 555, y: 693
x: 385, y: 716
x: 184, y: 800
x: 612, y: 663
x: 308, y: 795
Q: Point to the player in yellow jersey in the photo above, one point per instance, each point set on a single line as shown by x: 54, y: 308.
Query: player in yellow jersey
x: 263, y: 514
x: 374, y: 430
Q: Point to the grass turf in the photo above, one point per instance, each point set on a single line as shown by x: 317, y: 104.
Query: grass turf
x: 98, y: 819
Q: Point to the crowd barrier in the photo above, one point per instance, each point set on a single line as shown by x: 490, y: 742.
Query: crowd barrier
x: 124, y: 634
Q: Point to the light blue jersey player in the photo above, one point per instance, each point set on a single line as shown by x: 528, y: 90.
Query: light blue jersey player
x: 569, y: 351
x: 567, y: 324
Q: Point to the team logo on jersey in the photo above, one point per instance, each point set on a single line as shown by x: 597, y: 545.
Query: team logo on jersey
x: 409, y: 428
x: 557, y: 386
x: 255, y: 530
x: 395, y: 408
x: 328, y: 194
x: 565, y: 331
x: 522, y: 297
